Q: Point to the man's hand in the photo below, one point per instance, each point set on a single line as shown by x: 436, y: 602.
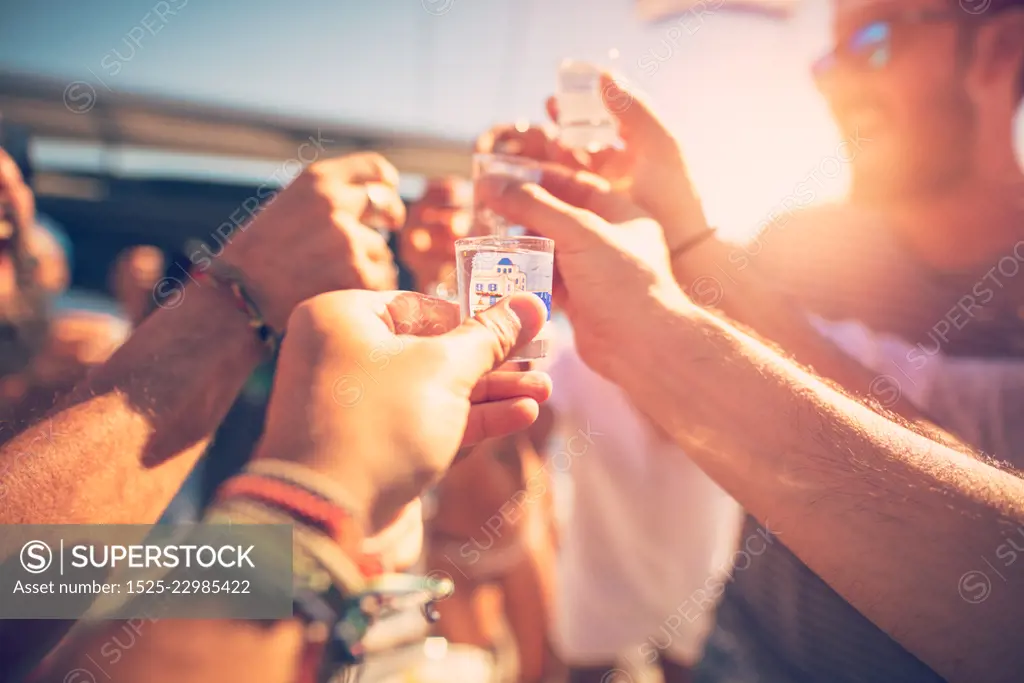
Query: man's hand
x: 313, y: 237
x: 17, y: 203
x: 610, y: 257
x: 651, y: 167
x: 380, y: 390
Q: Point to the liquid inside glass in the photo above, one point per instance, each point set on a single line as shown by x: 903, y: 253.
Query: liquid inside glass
x: 583, y: 120
x: 485, y: 221
x: 492, y: 269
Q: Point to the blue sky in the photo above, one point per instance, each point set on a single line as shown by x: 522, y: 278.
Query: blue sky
x: 735, y: 87
x: 381, y: 62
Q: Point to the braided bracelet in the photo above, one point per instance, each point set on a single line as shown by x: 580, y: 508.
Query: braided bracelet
x: 334, y: 594
x: 334, y: 521
x: 229, y: 278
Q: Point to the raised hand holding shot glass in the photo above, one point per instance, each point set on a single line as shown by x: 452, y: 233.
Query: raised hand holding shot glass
x: 500, y: 259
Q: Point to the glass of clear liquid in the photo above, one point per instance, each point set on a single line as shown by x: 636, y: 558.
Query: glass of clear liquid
x: 494, y: 267
x: 485, y: 221
x: 584, y: 120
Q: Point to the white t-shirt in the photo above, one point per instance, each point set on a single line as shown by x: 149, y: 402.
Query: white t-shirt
x: 646, y: 533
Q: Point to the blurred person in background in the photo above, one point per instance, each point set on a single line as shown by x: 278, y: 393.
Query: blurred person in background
x: 46, y: 348
x: 491, y: 527
x: 133, y: 279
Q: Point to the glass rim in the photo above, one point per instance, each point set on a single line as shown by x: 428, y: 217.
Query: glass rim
x: 479, y: 239
x: 514, y: 159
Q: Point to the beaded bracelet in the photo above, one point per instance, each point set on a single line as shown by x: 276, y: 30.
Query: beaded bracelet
x: 224, y: 276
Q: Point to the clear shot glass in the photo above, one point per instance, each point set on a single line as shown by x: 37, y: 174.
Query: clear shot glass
x: 584, y: 121
x: 485, y: 221
x: 493, y: 267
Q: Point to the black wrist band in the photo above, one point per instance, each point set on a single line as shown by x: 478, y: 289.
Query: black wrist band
x: 692, y: 242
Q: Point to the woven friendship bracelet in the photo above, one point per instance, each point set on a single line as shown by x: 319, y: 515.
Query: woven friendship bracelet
x: 337, y: 602
x: 309, y: 542
x: 334, y: 521
x: 228, y: 278
x: 303, y: 477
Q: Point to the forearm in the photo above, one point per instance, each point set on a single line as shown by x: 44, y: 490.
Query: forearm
x: 890, y: 519
x: 128, y: 435
x: 170, y: 650
x: 745, y: 296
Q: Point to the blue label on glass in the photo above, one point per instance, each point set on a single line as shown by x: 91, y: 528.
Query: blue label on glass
x: 496, y: 275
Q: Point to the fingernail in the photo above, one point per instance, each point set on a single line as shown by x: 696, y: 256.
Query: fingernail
x: 529, y: 312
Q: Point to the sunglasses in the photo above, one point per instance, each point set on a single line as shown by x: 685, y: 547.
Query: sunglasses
x: 870, y: 47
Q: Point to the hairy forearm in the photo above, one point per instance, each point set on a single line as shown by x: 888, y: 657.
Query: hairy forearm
x: 749, y: 300
x: 127, y: 436
x: 169, y: 651
x: 746, y: 297
x: 889, y: 518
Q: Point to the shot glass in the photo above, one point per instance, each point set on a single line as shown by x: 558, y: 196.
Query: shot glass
x: 485, y: 221
x: 494, y: 267
x: 584, y: 122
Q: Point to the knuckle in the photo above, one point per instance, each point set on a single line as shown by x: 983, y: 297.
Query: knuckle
x: 346, y: 224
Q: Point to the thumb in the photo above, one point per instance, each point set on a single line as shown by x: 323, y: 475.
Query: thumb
x: 483, y: 342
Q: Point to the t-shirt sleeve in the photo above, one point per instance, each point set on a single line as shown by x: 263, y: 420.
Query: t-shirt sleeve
x: 903, y: 370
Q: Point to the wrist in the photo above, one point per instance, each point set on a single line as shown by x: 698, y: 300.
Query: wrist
x: 645, y: 325
x: 268, y: 299
x: 351, y: 487
x: 229, y: 325
x: 657, y: 367
x: 682, y: 225
x: 697, y: 260
x: 224, y: 277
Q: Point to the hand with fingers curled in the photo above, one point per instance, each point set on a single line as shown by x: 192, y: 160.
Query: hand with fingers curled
x: 319, y: 234
x: 649, y: 166
x: 417, y: 386
x: 612, y: 263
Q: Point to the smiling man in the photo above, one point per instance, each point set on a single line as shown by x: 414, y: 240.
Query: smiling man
x: 924, y: 253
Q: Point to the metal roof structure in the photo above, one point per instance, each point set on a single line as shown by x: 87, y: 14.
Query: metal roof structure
x: 79, y: 112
